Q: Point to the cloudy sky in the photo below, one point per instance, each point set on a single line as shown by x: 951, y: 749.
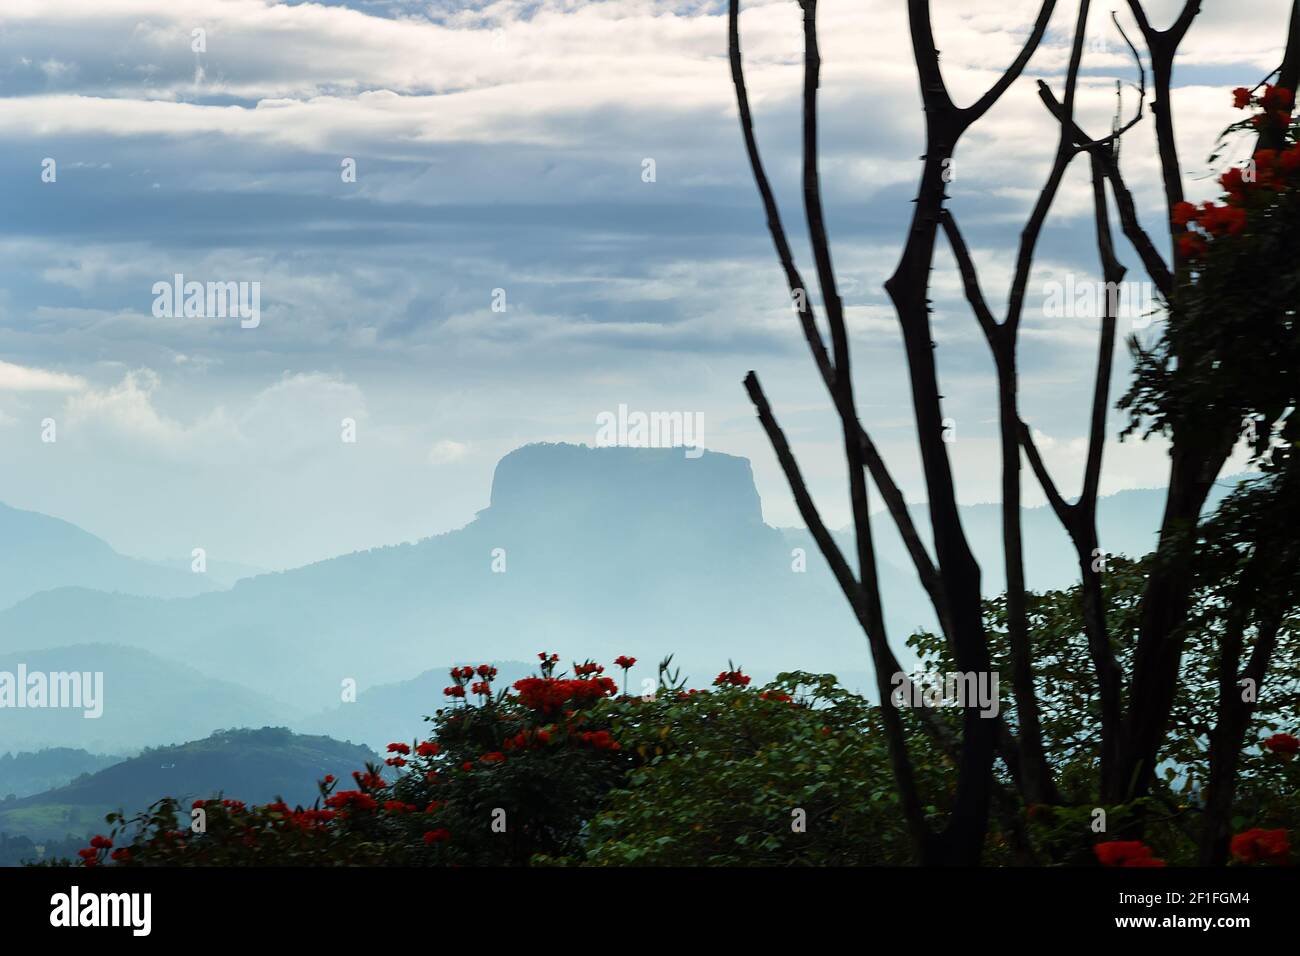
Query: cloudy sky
x: 501, y: 146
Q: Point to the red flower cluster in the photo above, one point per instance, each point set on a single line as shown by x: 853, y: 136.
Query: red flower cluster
x: 600, y: 739
x: 1275, y: 101
x: 549, y: 693
x: 584, y: 670
x: 428, y: 749
x: 1261, y: 846
x: 454, y: 691
x: 624, y: 661
x: 368, y: 780
x: 1269, y: 169
x: 525, y: 739
x: 730, y: 679
x: 351, y: 800
x: 1125, y: 853
x: 777, y: 696
x: 1283, y: 744
x: 441, y: 835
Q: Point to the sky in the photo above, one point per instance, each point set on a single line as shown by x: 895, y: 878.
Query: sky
x: 501, y: 155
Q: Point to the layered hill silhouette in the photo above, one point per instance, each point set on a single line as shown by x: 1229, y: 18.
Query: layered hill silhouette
x: 584, y: 551
x: 395, y: 712
x: 38, y: 553
x: 255, y: 766
x: 147, y: 699
x: 589, y: 552
x: 23, y: 774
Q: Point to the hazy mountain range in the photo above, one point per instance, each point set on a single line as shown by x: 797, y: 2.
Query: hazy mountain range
x: 587, y: 552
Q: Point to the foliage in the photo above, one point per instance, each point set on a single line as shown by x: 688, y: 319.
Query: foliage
x: 562, y: 770
x: 1269, y: 780
x: 1229, y: 355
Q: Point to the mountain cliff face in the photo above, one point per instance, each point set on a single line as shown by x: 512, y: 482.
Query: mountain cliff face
x: 587, y: 552
x: 630, y: 486
x: 583, y: 551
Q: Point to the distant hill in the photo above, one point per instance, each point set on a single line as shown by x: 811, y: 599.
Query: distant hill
x: 606, y: 551
x: 147, y: 700
x: 23, y: 774
x: 584, y: 551
x: 250, y: 765
x: 1127, y: 522
x: 396, y: 712
x: 38, y: 552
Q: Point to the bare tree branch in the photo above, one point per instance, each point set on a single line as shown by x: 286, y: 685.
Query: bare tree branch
x: 861, y: 600
x: 985, y: 102
x: 1152, y: 261
x: 893, y: 498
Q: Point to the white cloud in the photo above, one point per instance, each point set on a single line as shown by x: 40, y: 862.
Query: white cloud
x: 446, y: 451
x: 17, y: 378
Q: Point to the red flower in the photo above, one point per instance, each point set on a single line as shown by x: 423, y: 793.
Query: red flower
x: 1124, y: 853
x: 329, y: 778
x: 624, y: 661
x: 456, y: 691
x: 600, y: 739
x: 402, y: 749
x: 1283, y: 744
x: 121, y: 855
x: 428, y: 749
x: 1261, y: 846
x: 88, y: 854
x: 1277, y: 98
x: 1185, y: 212
x: 101, y: 843
x: 467, y: 766
x: 1191, y: 247
x: 1241, y: 97
x: 495, y: 756
x: 441, y: 835
x: 548, y: 694
x: 351, y: 799
x: 731, y: 678
x: 487, y: 672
